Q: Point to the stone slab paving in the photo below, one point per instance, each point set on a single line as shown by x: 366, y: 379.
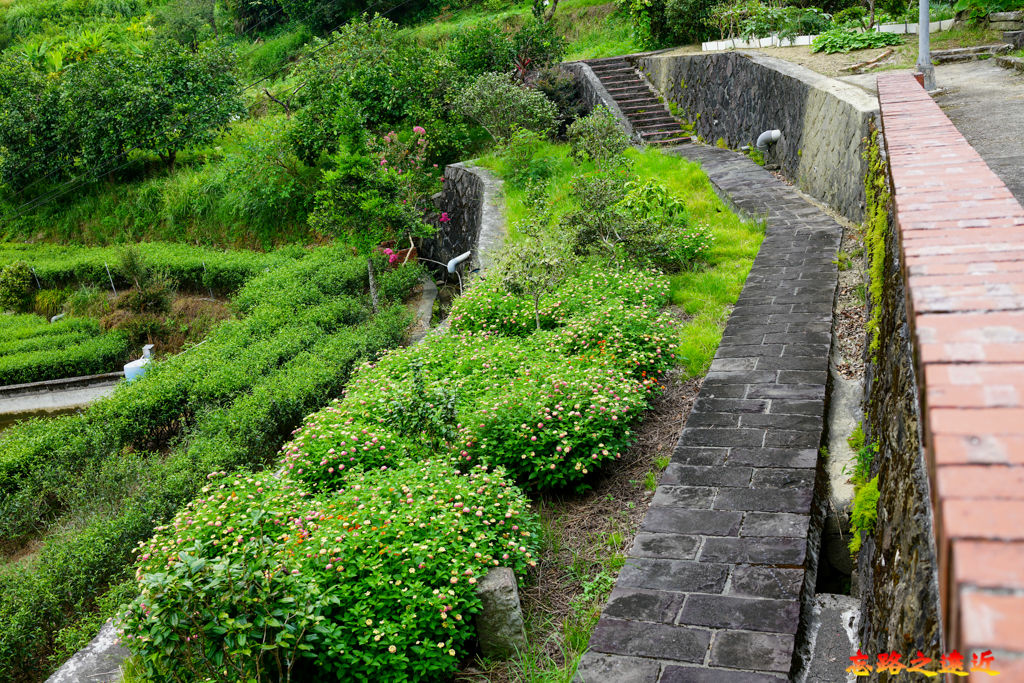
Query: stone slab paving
x: 713, y: 585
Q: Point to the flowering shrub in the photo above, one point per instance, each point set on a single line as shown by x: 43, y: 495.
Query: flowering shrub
x: 405, y: 156
x: 488, y: 307
x: 328, y: 447
x: 691, y: 244
x: 637, y: 338
x: 556, y: 423
x: 375, y: 581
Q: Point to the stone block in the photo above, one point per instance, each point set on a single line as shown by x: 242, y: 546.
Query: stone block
x: 766, y: 582
x: 754, y: 550
x: 706, y: 476
x: 644, y: 605
x: 682, y: 521
x: 692, y: 497
x: 691, y: 674
x: 765, y: 500
x: 673, y: 575
x: 775, y: 524
x: 596, y: 667
x: 752, y: 614
x: 663, y: 641
x: 774, y: 457
x: 499, y: 625
x: 747, y: 650
x: 664, y: 546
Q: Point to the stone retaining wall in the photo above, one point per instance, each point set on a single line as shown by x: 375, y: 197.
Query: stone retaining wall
x: 473, y: 200
x: 735, y: 96
x: 946, y: 405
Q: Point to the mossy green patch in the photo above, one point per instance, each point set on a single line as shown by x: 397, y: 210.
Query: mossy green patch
x: 876, y: 228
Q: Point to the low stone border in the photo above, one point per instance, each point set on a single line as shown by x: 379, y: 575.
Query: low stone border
x: 721, y: 575
x: 905, y: 28
x: 64, y: 384
x: 1011, y: 63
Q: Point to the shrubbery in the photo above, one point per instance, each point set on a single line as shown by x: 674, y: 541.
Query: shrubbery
x: 225, y: 404
x: 375, y: 576
x: 501, y: 106
x: 188, y: 267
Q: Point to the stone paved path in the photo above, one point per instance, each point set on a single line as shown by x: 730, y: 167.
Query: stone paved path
x: 713, y: 585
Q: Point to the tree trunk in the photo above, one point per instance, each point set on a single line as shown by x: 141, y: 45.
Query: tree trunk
x: 373, y: 285
x: 551, y: 10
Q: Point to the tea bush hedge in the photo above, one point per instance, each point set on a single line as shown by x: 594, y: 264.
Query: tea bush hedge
x: 193, y: 268
x: 108, y: 475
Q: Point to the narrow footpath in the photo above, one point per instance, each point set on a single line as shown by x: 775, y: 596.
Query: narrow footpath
x: 714, y: 583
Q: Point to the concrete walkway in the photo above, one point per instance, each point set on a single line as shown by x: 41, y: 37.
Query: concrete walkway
x: 725, y: 559
x: 986, y: 104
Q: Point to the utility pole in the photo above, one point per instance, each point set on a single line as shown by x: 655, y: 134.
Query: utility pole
x: 924, y: 52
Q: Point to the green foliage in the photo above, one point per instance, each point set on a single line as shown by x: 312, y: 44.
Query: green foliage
x: 658, y: 23
x: 844, y: 40
x: 599, y: 138
x: 562, y: 89
x: 482, y: 48
x: 227, y: 403
x: 501, y: 106
x: 272, y: 54
x: 978, y: 10
x: 377, y: 578
x: 533, y: 268
x: 865, y: 513
x: 104, y: 353
x: 188, y: 22
x: 521, y: 152
x: 751, y: 19
x: 161, y: 99
x: 856, y: 438
x: 16, y: 290
x: 191, y: 268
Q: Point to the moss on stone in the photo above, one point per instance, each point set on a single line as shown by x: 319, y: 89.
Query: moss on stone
x: 876, y: 227
x: 865, y: 513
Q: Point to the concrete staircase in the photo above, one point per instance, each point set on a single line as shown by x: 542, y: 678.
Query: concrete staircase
x: 649, y: 117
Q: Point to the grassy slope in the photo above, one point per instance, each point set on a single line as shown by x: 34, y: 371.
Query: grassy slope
x: 706, y: 294
x: 592, y: 27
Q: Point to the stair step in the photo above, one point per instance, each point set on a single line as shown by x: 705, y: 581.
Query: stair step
x: 654, y: 112
x: 652, y: 120
x: 624, y: 69
x: 661, y: 134
x: 651, y: 99
x: 638, y: 89
x: 673, y: 141
x: 637, y: 108
x: 620, y: 84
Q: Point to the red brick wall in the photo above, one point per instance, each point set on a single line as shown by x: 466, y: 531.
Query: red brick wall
x: 961, y: 237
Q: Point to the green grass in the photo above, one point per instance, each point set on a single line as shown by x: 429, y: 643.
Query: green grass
x: 593, y: 27
x: 705, y: 294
